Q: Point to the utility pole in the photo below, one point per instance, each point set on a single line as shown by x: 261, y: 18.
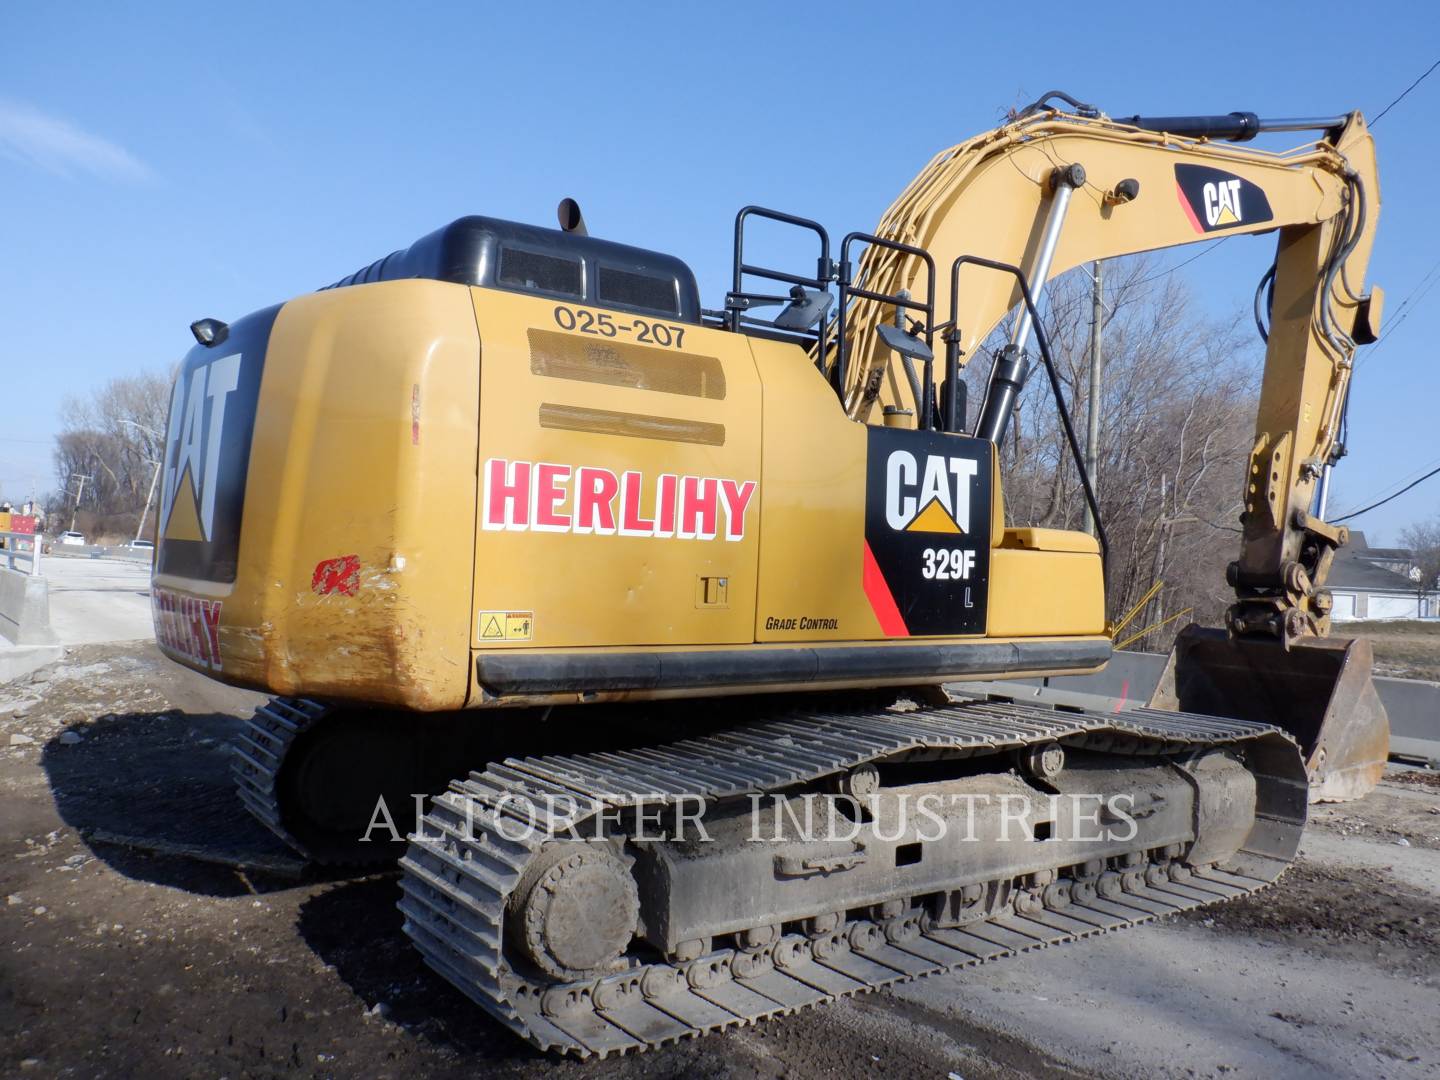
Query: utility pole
x: 154, y: 476
x: 78, y: 492
x: 1092, y: 429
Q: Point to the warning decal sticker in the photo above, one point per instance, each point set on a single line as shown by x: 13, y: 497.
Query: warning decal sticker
x: 505, y: 626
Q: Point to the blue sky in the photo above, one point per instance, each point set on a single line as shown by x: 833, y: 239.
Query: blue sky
x: 158, y: 164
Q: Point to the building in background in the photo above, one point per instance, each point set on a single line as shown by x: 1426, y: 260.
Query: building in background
x: 1378, y: 583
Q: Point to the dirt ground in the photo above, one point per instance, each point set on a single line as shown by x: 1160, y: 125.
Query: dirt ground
x: 1406, y: 650
x: 127, y: 949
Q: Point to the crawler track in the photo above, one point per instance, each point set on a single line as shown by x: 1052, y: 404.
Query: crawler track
x: 456, y: 889
x: 260, y: 753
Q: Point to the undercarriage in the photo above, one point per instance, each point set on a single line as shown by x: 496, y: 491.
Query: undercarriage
x: 611, y: 902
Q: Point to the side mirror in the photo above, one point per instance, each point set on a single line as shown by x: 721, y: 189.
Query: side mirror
x: 806, y: 308
x: 906, y: 344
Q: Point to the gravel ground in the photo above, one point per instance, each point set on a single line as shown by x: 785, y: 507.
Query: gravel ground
x: 130, y: 943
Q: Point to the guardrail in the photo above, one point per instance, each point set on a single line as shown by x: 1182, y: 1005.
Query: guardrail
x: 100, y: 551
x: 22, y: 546
x: 24, y: 594
x: 19, y: 540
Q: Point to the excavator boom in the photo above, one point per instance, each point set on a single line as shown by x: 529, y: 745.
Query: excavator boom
x: 1053, y: 190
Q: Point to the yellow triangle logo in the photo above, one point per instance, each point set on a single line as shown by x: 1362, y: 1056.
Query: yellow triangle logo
x: 934, y: 519
x: 1226, y: 217
x: 184, y: 523
x: 492, y: 629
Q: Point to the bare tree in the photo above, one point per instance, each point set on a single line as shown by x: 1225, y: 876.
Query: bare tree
x: 1179, y: 401
x: 1423, y: 540
x: 114, y: 436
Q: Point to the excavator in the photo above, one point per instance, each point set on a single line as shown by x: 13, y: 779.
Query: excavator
x: 633, y: 628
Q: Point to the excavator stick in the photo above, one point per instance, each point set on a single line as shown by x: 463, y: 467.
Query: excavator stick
x: 1320, y: 690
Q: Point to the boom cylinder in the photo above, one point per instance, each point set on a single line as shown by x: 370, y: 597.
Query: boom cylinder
x: 1006, y: 381
x: 1064, y: 181
x: 1007, y: 378
x: 1231, y: 127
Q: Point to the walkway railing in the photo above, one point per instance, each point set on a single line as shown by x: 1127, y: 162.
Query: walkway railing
x: 18, y: 541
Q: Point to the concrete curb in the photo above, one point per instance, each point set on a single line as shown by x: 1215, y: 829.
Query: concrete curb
x: 25, y: 608
x: 17, y: 661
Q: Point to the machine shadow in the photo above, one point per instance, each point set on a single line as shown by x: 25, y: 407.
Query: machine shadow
x: 356, y: 928
x: 150, y: 794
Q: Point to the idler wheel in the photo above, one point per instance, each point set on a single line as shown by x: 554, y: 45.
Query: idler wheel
x: 1044, y: 761
x: 578, y: 913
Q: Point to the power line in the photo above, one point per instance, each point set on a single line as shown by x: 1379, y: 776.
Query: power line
x: 1419, y: 292
x: 1217, y: 243
x: 1396, y: 324
x: 1415, y: 294
x: 1407, y: 90
x: 1382, y: 502
x: 1400, y: 483
x: 1411, y: 475
x: 1177, y: 266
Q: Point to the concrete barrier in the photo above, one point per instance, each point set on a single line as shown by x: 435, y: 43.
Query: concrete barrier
x: 1414, y: 709
x: 1412, y: 704
x: 24, y: 608
x: 99, y: 551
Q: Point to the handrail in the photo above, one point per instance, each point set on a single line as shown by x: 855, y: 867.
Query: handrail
x: 924, y: 402
x: 11, y: 549
x: 1043, y: 340
x: 823, y: 266
x: 737, y: 301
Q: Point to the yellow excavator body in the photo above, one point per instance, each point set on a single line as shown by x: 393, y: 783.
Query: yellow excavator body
x: 445, y: 482
x: 535, y: 549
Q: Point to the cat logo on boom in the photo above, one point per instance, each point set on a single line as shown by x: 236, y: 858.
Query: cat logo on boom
x: 1214, y: 199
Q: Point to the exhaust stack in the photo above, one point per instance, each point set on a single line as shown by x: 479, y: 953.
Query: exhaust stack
x: 571, y: 219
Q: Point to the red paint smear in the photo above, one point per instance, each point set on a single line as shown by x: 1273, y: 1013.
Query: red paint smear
x: 340, y: 575
x: 1189, y: 210
x: 882, y: 601
x: 1124, y: 695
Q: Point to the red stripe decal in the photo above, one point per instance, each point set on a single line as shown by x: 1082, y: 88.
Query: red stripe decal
x: 882, y: 601
x: 1189, y: 210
